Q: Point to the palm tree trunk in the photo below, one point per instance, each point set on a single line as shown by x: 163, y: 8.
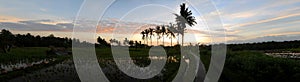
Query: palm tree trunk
x: 163, y: 40
x: 171, y: 41
x: 178, y: 38
x: 182, y: 39
x: 151, y: 40
x: 157, y: 41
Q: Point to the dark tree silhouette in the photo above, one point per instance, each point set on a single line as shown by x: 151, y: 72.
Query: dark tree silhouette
x: 6, y: 40
x: 131, y: 42
x: 114, y: 41
x: 184, y: 18
x: 126, y: 42
x: 158, y: 33
x: 163, y: 32
x: 143, y: 35
x: 102, y: 42
x: 147, y: 32
x: 170, y: 34
x: 151, y: 30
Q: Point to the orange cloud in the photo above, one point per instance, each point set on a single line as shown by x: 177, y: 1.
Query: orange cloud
x: 10, y: 19
x: 124, y: 29
x: 243, y: 15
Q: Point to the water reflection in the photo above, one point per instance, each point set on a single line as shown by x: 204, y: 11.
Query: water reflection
x: 65, y: 71
x: 22, y: 64
x: 285, y: 55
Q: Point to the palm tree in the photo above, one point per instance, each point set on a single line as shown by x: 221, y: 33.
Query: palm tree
x: 173, y: 28
x: 147, y: 35
x: 163, y: 31
x: 151, y: 30
x: 158, y: 31
x: 185, y: 17
x: 143, y: 36
x: 170, y: 34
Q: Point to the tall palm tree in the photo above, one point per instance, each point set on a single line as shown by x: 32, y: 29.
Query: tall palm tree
x: 170, y: 34
x: 151, y: 30
x: 163, y: 32
x: 185, y: 17
x: 143, y: 36
x: 158, y: 31
x: 147, y: 35
x: 173, y: 28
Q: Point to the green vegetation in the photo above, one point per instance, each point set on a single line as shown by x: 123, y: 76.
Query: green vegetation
x: 21, y: 53
x: 253, y: 66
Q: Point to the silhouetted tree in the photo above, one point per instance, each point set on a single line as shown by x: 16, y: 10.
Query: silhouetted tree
x: 163, y: 32
x: 114, y: 41
x: 151, y: 30
x: 158, y: 32
x: 143, y: 36
x: 170, y: 34
x: 131, y: 42
x: 6, y: 40
x: 126, y: 42
x: 147, y: 35
x: 185, y: 17
x: 102, y: 42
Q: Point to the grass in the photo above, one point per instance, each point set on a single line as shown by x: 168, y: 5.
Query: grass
x: 26, y: 54
x: 293, y: 49
x: 253, y: 66
x: 22, y: 53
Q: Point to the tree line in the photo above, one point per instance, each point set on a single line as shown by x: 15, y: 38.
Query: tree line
x: 114, y: 42
x: 9, y: 40
x: 168, y: 31
x: 271, y: 45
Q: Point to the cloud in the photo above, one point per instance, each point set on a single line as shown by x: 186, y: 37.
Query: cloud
x: 43, y: 9
x: 285, y: 33
x: 265, y: 21
x: 36, y: 21
x: 35, y: 25
x: 241, y: 15
x: 10, y: 19
x: 123, y: 27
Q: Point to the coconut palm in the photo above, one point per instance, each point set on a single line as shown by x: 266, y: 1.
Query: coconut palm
x: 151, y: 30
x: 147, y: 35
x: 170, y: 34
x: 173, y: 28
x: 143, y: 36
x: 163, y: 32
x: 184, y: 18
x: 158, y: 31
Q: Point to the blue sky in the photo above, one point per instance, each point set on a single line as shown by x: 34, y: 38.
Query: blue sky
x: 243, y: 20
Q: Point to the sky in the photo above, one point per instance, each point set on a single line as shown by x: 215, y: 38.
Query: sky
x: 242, y: 20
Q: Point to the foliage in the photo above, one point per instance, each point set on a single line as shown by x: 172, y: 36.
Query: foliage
x: 251, y: 66
x: 102, y: 42
x: 6, y: 40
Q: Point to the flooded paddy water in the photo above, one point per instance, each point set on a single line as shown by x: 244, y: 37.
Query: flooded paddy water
x: 65, y: 71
